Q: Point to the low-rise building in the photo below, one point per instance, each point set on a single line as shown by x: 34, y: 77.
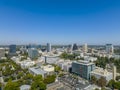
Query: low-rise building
x: 48, y: 68
x: 37, y: 71
x: 100, y: 72
x: 27, y: 63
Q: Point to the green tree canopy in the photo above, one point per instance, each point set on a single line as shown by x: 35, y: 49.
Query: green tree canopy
x: 38, y: 85
x: 102, y: 82
x: 11, y: 86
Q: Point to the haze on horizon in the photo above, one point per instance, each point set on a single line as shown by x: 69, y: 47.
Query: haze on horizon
x: 59, y: 21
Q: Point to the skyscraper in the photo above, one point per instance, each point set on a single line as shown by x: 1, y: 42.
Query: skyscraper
x: 74, y: 47
x: 109, y: 48
x: 12, y: 49
x: 33, y: 53
x: 85, y: 48
x: 48, y: 47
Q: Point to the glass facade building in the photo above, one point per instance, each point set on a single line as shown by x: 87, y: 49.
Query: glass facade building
x: 83, y: 69
x: 12, y: 49
x: 33, y: 53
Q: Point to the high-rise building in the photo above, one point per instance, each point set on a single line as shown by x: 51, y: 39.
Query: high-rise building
x: 33, y: 53
x: 83, y: 68
x: 85, y: 48
x: 2, y: 52
x: 109, y: 48
x: 74, y: 47
x: 114, y: 72
x: 12, y: 49
x: 48, y: 47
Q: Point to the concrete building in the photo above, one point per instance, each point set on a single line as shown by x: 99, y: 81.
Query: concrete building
x: 27, y: 64
x: 85, y: 48
x: 33, y: 53
x: 38, y: 71
x: 48, y: 47
x: 114, y: 72
x: 2, y: 52
x: 51, y: 59
x: 49, y: 69
x: 109, y: 48
x: 90, y: 59
x: 83, y: 68
x: 100, y: 72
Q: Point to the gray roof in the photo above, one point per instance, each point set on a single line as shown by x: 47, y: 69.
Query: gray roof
x: 37, y: 70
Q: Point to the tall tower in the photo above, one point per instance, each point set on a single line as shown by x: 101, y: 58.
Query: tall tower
x: 48, y: 47
x: 75, y: 47
x: 114, y: 72
x: 109, y: 48
x: 85, y: 48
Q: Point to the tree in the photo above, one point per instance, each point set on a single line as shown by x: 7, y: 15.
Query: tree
x: 102, y: 82
x: 93, y: 80
x: 111, y: 83
x: 96, y: 89
x: 117, y: 85
x: 117, y: 77
x: 57, y: 68
x: 50, y: 79
x: 38, y: 85
x: 11, y: 86
x: 38, y: 78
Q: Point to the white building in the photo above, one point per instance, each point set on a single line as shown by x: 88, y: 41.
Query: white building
x: 88, y: 58
x: 27, y: 63
x: 48, y: 68
x: 65, y: 65
x: 25, y: 87
x: 85, y: 48
x: 100, y: 72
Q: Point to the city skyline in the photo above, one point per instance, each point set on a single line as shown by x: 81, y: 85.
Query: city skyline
x: 60, y: 22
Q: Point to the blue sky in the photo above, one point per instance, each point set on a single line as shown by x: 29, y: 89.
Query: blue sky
x: 59, y: 21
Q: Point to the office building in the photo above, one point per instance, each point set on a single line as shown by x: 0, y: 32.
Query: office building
x: 100, y: 72
x: 74, y: 47
x: 2, y: 52
x: 33, y: 53
x: 109, y: 49
x: 85, y: 48
x: 83, y: 68
x: 12, y: 50
x: 48, y: 47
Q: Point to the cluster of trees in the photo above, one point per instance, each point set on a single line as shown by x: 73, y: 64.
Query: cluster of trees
x: 102, y: 61
x: 11, y: 86
x: 100, y: 82
x: 38, y: 83
x: 114, y: 84
x: 50, y: 79
x: 68, y: 56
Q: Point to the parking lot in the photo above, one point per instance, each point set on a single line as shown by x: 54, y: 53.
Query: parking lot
x: 74, y: 82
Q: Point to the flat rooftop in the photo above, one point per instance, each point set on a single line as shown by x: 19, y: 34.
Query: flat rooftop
x: 83, y: 62
x: 37, y: 70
